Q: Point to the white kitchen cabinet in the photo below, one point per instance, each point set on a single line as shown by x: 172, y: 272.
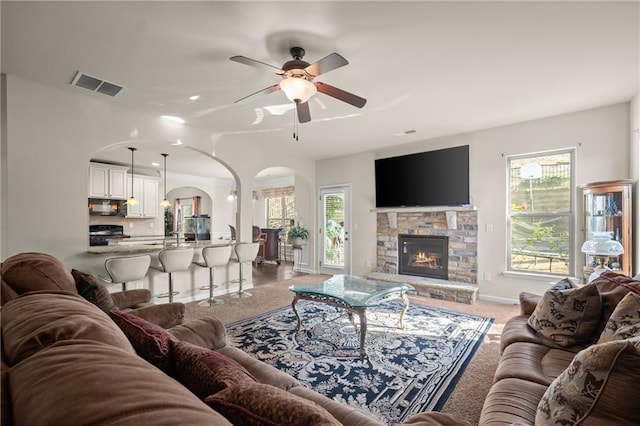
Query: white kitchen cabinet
x: 106, y: 181
x: 98, y: 182
x: 118, y: 183
x: 145, y: 190
x: 149, y: 198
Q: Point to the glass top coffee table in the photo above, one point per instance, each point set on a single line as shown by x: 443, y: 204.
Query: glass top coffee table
x: 353, y: 294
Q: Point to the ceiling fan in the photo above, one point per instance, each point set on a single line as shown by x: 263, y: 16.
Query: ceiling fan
x: 297, y: 81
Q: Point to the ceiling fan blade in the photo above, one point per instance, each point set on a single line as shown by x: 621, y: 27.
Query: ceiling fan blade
x: 340, y: 94
x: 256, y: 64
x: 304, y: 115
x: 259, y: 94
x: 326, y: 64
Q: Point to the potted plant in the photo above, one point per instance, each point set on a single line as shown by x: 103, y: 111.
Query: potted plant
x: 297, y: 234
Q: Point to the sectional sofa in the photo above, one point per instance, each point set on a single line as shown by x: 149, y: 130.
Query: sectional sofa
x: 571, y: 357
x: 66, y: 361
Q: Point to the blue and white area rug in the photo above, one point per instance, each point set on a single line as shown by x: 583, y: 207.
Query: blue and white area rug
x: 407, y: 371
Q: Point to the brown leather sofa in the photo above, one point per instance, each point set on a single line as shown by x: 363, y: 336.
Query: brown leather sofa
x: 525, y: 389
x: 66, y: 361
x: 26, y: 272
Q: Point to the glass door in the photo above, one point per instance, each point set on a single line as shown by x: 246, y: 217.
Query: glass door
x: 334, y: 230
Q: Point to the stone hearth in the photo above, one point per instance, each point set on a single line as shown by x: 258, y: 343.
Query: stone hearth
x: 433, y: 288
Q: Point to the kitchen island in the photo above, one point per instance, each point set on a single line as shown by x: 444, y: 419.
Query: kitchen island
x: 149, y: 244
x: 192, y: 284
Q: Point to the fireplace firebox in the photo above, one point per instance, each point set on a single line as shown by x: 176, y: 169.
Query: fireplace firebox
x: 423, y: 255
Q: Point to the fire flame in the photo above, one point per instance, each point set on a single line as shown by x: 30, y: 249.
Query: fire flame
x: 423, y: 259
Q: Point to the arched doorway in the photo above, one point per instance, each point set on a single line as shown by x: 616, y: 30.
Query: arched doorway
x: 199, y: 173
x: 274, y: 212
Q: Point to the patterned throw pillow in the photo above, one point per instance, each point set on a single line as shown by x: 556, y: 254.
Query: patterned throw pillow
x: 204, y: 371
x: 601, y: 383
x: 258, y: 404
x: 92, y: 290
x: 567, y: 317
x: 149, y: 340
x: 563, y: 284
x: 612, y: 288
x: 624, y: 322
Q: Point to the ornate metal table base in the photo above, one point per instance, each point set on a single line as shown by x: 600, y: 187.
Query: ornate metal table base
x: 360, y: 311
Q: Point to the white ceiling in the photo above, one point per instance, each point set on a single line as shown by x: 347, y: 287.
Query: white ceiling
x: 438, y: 68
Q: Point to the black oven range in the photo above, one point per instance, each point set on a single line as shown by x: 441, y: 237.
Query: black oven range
x: 99, y: 235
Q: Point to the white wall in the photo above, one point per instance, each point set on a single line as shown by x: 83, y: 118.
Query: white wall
x: 3, y: 161
x: 634, y: 165
x: 50, y: 137
x: 602, y: 142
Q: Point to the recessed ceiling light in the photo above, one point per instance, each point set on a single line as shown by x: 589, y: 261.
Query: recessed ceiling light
x: 194, y: 97
x: 177, y: 142
x: 173, y: 118
x: 155, y: 164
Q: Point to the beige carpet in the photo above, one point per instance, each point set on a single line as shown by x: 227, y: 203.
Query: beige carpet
x: 466, y: 400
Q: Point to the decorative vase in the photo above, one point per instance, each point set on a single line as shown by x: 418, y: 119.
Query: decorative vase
x: 297, y: 242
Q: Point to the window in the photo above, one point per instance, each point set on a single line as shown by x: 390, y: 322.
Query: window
x: 280, y: 205
x: 540, y: 213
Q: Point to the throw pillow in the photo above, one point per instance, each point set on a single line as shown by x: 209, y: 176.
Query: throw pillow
x: 563, y: 284
x: 612, y: 288
x: 567, y: 317
x: 27, y: 272
x: 204, y: 371
x: 257, y: 404
x: 624, y: 322
x: 92, y: 290
x: 601, y: 384
x: 149, y: 340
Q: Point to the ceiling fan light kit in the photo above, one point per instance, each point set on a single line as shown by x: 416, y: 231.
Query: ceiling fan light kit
x: 297, y: 81
x: 298, y: 89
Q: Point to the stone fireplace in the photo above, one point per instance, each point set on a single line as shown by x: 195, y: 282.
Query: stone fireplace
x: 457, y: 226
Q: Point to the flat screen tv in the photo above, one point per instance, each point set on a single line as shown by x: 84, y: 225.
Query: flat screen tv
x: 432, y: 178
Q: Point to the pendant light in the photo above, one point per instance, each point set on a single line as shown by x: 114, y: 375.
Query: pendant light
x: 165, y: 203
x: 132, y: 200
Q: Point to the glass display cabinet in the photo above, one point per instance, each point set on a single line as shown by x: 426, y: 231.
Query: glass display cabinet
x: 608, y: 215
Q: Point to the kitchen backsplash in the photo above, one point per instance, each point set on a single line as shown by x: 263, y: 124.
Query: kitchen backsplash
x: 132, y: 227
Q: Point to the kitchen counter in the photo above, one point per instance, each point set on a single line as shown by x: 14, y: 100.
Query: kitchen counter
x: 136, y: 245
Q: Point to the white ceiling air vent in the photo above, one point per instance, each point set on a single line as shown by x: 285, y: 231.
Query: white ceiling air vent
x: 88, y: 82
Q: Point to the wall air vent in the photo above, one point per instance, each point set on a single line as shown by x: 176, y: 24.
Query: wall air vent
x: 88, y: 82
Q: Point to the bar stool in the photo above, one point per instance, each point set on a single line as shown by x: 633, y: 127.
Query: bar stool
x: 214, y: 256
x: 245, y: 253
x: 125, y: 269
x: 173, y: 260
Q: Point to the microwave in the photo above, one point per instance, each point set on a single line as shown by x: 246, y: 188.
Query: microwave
x: 102, y: 207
